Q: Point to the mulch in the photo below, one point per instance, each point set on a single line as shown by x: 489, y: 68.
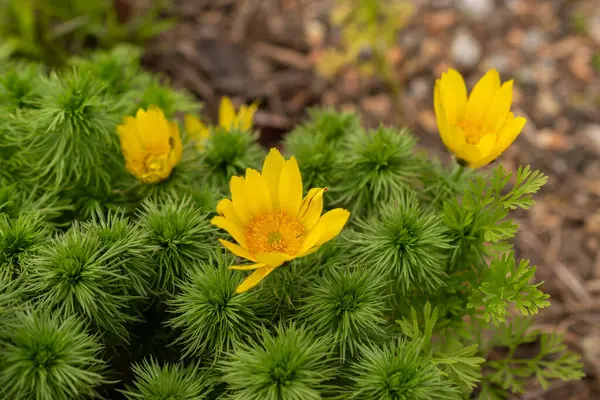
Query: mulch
x: 266, y: 49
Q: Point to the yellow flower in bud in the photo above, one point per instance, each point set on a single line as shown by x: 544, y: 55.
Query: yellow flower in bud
x: 479, y: 128
x: 228, y: 119
x: 151, y: 145
x: 270, y: 220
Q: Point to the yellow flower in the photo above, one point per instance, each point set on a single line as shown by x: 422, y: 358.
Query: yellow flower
x: 196, y: 130
x: 151, y: 145
x: 228, y: 119
x: 271, y: 222
x: 479, y: 128
x: 242, y: 120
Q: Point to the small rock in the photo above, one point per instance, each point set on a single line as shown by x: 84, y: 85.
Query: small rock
x: 351, y: 82
x: 532, y: 40
x: 440, y: 21
x: 551, y: 140
x: 379, y: 106
x: 547, y: 105
x: 500, y: 62
x: 441, y: 3
x: 580, y: 64
x: 544, y: 71
x: 477, y: 10
x: 430, y: 48
x: 591, y: 134
x: 515, y: 37
x: 465, y: 49
x: 428, y: 121
x: 315, y: 33
x: 348, y: 107
x: 420, y: 88
x: 330, y: 97
x: 526, y: 75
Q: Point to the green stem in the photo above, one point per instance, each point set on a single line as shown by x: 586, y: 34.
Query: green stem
x: 459, y: 172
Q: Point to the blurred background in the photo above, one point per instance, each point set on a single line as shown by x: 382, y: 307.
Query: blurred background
x: 381, y: 58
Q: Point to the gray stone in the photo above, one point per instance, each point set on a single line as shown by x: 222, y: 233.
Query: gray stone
x: 465, y: 49
x: 477, y: 10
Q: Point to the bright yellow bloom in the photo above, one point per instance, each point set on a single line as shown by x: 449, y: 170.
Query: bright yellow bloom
x: 151, y: 145
x: 479, y: 128
x: 271, y: 222
x: 228, y: 119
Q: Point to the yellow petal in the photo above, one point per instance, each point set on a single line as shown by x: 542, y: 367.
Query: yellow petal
x: 482, y: 95
x: 237, y: 250
x: 290, y: 188
x: 238, y: 198
x: 328, y: 227
x: 272, y: 259
x: 508, y: 133
x: 226, y: 113
x: 440, y: 115
x: 271, y: 172
x: 486, y: 144
x: 225, y: 209
x: 312, y: 207
x: 246, y: 116
x: 248, y: 267
x: 469, y: 153
x: 258, y: 197
x: 233, y: 229
x: 453, y: 95
x: 176, y: 145
x: 254, y: 279
x: 499, y: 107
x: 195, y: 128
x: 154, y: 131
x: 456, y: 137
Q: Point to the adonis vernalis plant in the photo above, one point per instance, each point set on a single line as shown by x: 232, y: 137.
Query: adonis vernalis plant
x: 153, y: 258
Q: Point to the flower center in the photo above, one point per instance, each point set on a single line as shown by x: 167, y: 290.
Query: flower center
x: 474, y: 130
x: 275, y: 232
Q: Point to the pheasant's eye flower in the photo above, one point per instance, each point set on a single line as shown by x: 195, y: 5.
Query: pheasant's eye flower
x: 228, y: 119
x: 196, y: 130
x: 271, y: 222
x: 151, y: 145
x: 242, y: 120
x: 479, y: 128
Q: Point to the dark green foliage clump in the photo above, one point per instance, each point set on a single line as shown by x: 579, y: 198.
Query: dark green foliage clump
x: 228, y: 153
x: 182, y: 235
x: 316, y: 144
x: 290, y: 363
x: 71, y: 131
x: 47, y: 357
x: 208, y: 313
x: 95, y: 270
x: 154, y: 381
x: 405, y: 242
x: 349, y: 305
x: 19, y: 239
x: 381, y: 165
x: 399, y: 371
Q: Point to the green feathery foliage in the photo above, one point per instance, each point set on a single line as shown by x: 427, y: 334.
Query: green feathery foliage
x: 228, y: 153
x: 315, y: 144
x: 405, y: 242
x: 381, y: 164
x: 511, y: 373
x: 94, y: 270
x: 399, y: 371
x: 290, y: 364
x: 19, y: 239
x: 505, y: 281
x: 46, y: 357
x: 18, y: 87
x: 481, y: 215
x: 349, y: 305
x: 183, y: 237
x: 154, y: 381
x: 208, y: 313
x: 70, y: 133
x: 18, y: 198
